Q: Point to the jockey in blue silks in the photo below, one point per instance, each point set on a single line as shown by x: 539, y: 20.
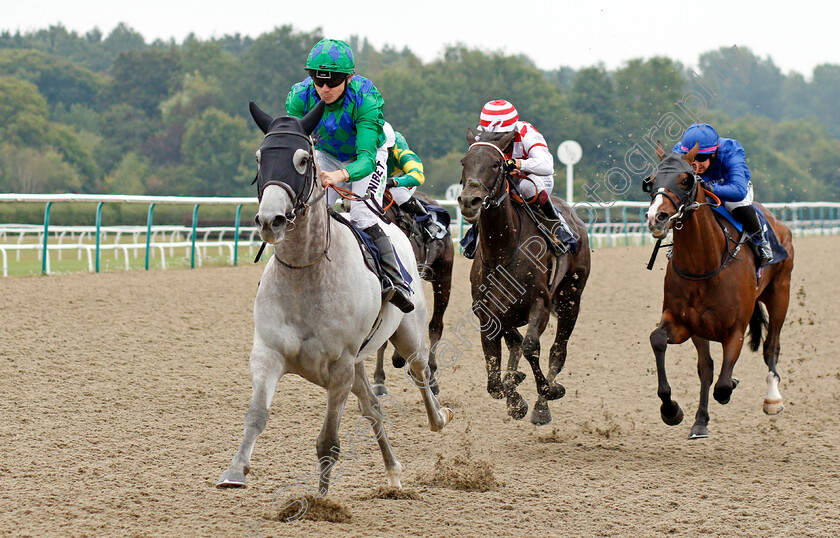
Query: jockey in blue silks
x: 722, y: 164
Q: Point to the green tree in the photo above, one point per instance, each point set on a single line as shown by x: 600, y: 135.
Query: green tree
x: 215, y: 148
x: 143, y: 79
x: 23, y: 113
x: 129, y: 177
x: 58, y: 80
x: 28, y: 170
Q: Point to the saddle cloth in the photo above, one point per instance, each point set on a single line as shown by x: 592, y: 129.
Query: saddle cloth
x: 779, y: 252
x: 370, y: 252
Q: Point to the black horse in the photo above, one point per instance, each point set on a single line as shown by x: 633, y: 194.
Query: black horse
x: 434, y: 257
x: 516, y: 279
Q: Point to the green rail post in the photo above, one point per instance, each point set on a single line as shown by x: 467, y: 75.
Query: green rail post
x: 192, y: 249
x: 624, y: 223
x: 46, y: 237
x: 149, y: 233
x: 236, y: 235
x: 98, y: 225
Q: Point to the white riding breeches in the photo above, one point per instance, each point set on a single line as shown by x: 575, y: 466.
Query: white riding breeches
x: 533, y: 184
x: 402, y: 194
x: 748, y: 199
x: 360, y: 214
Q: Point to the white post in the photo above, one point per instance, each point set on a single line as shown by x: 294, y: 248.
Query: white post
x: 569, y: 153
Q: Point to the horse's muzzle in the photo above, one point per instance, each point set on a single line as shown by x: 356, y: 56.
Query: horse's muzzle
x: 272, y: 229
x: 470, y: 208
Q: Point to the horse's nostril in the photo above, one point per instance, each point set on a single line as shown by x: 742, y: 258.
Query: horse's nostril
x: 662, y: 216
x: 278, y: 221
x: 257, y: 220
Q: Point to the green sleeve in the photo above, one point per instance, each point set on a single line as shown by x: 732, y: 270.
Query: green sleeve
x: 368, y: 131
x: 294, y: 102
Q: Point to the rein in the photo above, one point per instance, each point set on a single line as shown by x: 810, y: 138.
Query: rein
x: 490, y: 201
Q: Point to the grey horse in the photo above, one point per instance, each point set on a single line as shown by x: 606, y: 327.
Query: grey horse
x: 319, y: 311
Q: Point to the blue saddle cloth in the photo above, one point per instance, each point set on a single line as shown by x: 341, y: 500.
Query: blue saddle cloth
x: 779, y: 252
x: 469, y: 243
x: 371, y: 252
x: 440, y: 214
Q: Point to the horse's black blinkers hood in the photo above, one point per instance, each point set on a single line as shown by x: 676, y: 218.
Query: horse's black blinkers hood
x: 284, y: 137
x: 667, y: 175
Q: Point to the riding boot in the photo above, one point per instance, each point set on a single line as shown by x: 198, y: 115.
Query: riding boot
x: 747, y: 216
x: 414, y: 208
x: 550, y: 212
x: 399, y: 291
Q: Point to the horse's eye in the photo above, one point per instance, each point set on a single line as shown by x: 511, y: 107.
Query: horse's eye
x: 495, y: 166
x: 257, y: 155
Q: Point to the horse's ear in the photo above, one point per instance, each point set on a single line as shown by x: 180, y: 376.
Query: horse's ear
x: 660, y: 151
x: 689, y: 157
x: 262, y: 119
x: 310, y: 121
x: 471, y: 138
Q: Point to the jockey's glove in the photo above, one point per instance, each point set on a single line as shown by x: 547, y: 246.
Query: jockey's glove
x: 510, y: 165
x: 391, y: 183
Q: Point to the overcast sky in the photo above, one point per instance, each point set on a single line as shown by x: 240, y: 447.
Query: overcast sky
x: 555, y: 33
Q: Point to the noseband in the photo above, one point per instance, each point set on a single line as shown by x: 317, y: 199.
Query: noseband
x: 490, y: 201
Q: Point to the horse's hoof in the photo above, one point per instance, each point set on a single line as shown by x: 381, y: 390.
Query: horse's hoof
x: 698, y: 431
x: 541, y: 415
x: 447, y: 415
x: 773, y: 407
x: 512, y: 379
x: 555, y: 391
x: 735, y: 382
x: 231, y: 479
x: 722, y: 396
x: 379, y: 389
x: 674, y: 419
x: 517, y: 407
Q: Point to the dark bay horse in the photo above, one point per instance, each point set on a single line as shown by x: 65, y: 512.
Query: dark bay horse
x: 516, y: 279
x: 712, y: 292
x: 434, y: 261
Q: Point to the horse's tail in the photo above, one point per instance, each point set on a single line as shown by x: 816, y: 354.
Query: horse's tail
x: 758, y: 323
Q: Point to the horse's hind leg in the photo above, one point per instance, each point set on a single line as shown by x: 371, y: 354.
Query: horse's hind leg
x: 342, y: 376
x: 567, y: 308
x: 408, y: 341
x: 379, y: 373
x: 539, y: 314
x: 705, y: 370
x: 266, y: 370
x: 371, y: 410
x: 777, y: 305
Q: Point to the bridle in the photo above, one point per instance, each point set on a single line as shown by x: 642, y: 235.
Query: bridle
x: 490, y: 201
x: 300, y: 197
x: 686, y: 203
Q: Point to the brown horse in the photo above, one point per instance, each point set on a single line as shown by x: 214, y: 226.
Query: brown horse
x: 434, y: 261
x: 712, y: 290
x: 516, y: 279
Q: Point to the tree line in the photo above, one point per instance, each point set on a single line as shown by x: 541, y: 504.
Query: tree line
x: 114, y: 114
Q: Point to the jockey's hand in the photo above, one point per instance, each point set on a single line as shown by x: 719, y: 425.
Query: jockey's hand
x: 510, y: 165
x: 391, y: 183
x: 518, y: 174
x: 328, y: 179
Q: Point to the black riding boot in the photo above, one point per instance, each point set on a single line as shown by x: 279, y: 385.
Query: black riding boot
x: 758, y: 239
x: 398, y: 293
x: 549, y: 210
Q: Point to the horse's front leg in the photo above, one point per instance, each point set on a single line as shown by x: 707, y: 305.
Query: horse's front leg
x: 491, y: 344
x: 266, y: 370
x: 441, y: 287
x: 731, y: 350
x: 550, y: 390
x: 379, y: 373
x: 705, y: 370
x: 342, y: 374
x: 670, y: 410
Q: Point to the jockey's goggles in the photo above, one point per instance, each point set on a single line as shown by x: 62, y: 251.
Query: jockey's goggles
x: 703, y: 157
x: 331, y: 79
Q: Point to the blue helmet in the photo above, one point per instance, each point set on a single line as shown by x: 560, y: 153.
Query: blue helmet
x: 701, y: 134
